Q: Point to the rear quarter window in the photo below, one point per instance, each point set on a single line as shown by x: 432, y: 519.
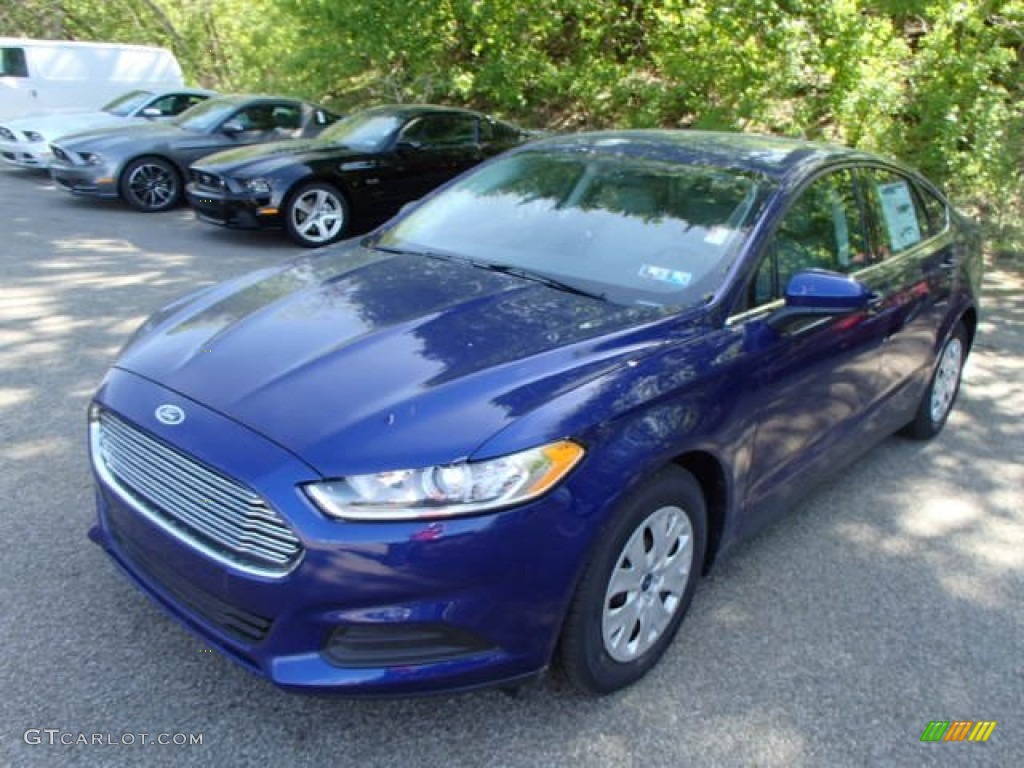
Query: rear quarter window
x: 936, y: 210
x: 12, y: 62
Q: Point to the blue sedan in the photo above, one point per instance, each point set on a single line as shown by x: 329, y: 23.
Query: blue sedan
x: 515, y: 425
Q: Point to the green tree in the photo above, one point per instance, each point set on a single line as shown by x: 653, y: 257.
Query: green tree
x: 936, y: 82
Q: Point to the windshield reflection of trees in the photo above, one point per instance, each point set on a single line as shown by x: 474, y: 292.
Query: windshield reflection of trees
x: 694, y: 196
x: 634, y: 230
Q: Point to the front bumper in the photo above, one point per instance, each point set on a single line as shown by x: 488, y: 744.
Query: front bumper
x: 237, y: 210
x: 25, y: 154
x: 88, y: 180
x: 369, y: 609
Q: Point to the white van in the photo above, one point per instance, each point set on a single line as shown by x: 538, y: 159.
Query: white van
x: 57, y: 75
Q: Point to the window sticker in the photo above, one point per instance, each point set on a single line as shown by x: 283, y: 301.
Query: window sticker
x: 898, y: 212
x: 665, y: 275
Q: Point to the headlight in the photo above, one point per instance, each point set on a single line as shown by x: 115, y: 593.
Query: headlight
x: 447, y: 491
x: 256, y: 186
x: 90, y: 158
x: 33, y: 136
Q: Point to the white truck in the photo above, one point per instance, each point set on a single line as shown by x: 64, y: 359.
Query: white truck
x: 60, y: 75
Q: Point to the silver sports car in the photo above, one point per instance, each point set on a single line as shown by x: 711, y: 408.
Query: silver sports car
x: 146, y: 164
x: 25, y: 141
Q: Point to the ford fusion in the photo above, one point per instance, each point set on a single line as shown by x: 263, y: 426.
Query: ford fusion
x: 514, y: 426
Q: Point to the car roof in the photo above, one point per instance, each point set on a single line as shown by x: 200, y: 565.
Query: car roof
x: 254, y: 98
x: 771, y: 156
x: 186, y: 89
x: 412, y: 110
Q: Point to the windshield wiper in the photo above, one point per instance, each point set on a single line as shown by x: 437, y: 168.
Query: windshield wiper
x: 376, y: 246
x: 538, y: 277
x: 505, y: 269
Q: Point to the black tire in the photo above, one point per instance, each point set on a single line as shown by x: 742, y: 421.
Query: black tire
x: 151, y: 184
x: 938, y: 399
x: 603, y: 646
x: 316, y: 214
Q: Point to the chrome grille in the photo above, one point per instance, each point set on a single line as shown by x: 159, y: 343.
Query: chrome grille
x: 7, y: 134
x: 207, y: 509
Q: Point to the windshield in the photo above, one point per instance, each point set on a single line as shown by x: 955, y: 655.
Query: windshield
x: 206, y: 115
x: 632, y: 229
x: 362, y: 131
x: 127, y: 103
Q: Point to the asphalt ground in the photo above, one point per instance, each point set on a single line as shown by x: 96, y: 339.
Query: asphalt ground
x: 890, y: 598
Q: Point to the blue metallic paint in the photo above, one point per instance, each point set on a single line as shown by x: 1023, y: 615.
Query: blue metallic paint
x: 271, y: 370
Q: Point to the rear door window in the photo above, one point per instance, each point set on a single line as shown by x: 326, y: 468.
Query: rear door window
x: 900, y: 218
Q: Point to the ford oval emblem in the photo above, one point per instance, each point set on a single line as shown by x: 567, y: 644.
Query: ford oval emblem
x: 168, y: 414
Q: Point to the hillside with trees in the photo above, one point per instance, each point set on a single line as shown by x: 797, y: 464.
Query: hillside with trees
x: 938, y: 83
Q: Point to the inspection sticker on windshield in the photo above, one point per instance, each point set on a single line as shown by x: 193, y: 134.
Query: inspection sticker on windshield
x: 665, y: 275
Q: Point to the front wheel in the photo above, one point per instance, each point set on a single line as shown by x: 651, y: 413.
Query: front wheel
x: 938, y: 399
x: 151, y: 184
x: 637, y: 586
x: 317, y: 214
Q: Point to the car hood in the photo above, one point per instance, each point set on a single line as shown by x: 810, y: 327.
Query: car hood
x: 52, y: 126
x: 357, y: 360
x: 120, y: 135
x: 267, y: 158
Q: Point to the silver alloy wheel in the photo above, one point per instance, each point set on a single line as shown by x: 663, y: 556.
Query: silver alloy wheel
x: 317, y: 215
x: 947, y: 379
x: 647, y: 584
x: 152, y: 185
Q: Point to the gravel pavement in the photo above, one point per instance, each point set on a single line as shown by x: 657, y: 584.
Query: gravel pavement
x: 892, y: 597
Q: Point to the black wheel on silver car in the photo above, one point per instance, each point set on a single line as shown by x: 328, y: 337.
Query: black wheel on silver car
x: 316, y: 214
x: 638, y: 584
x: 151, y: 184
x: 938, y: 399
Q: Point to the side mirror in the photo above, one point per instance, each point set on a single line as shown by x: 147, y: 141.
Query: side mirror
x: 152, y: 112
x: 820, y: 293
x: 232, y: 128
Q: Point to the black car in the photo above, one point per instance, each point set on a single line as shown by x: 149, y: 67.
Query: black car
x: 361, y: 169
x: 146, y: 164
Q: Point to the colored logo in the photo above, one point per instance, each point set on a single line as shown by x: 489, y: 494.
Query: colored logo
x: 171, y: 415
x: 958, y: 730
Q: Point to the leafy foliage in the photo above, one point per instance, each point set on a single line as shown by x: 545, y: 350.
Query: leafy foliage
x: 936, y: 82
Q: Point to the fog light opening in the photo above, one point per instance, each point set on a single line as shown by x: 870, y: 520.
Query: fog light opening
x: 384, y: 645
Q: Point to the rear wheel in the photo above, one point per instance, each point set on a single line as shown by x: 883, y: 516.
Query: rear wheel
x: 151, y: 184
x: 317, y: 214
x: 938, y: 399
x: 637, y: 586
